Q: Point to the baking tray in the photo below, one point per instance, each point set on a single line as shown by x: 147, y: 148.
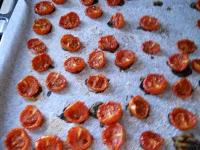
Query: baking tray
x: 15, y: 63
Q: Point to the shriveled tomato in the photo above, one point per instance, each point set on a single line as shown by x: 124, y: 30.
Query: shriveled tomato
x: 186, y: 46
x: 44, y: 8
x: 76, y: 112
x: 182, y: 118
x: 196, y: 64
x: 94, y: 11
x: 79, y: 138
x: 17, y: 139
x: 59, y: 1
x: 150, y: 140
x: 198, y: 23
x: 114, y: 136
x: 155, y: 84
x: 149, y: 23
x: 42, y: 62
x: 178, y: 62
x: 117, y: 21
x: 97, y: 83
x: 36, y: 46
x: 87, y: 2
x: 182, y: 88
x: 74, y: 64
x: 125, y: 58
x: 97, y: 59
x: 56, y: 82
x: 109, y: 112
x: 198, y: 5
x: 70, y: 43
x: 70, y: 20
x: 28, y: 87
x: 139, y: 107
x: 151, y: 47
x: 108, y: 43
x: 49, y: 142
x: 113, y: 2
x: 42, y: 26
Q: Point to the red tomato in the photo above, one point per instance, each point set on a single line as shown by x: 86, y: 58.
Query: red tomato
x: 44, y: 8
x: 97, y: 83
x: 49, y: 142
x: 87, y: 2
x: 74, y: 64
x: 17, y: 139
x: 109, y: 112
x: 76, y: 112
x: 42, y: 26
x: 151, y: 47
x: 186, y: 46
x: 139, y: 107
x: 178, y: 62
x: 70, y: 43
x: 113, y: 2
x: 56, y: 82
x: 198, y: 5
x: 114, y: 136
x: 149, y: 23
x: 94, y: 11
x: 198, y: 23
x: 97, y: 59
x: 79, y: 138
x: 117, y: 21
x: 108, y: 43
x: 36, y: 46
x: 196, y: 64
x: 70, y: 20
x: 182, y: 88
x: 182, y: 119
x: 150, y: 140
x: 59, y: 1
x: 125, y: 58
x: 42, y: 62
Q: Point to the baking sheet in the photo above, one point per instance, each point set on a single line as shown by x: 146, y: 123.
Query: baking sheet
x: 15, y: 63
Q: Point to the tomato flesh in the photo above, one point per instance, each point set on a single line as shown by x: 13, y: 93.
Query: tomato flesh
x: 186, y: 46
x: 44, y: 8
x: 198, y: 23
x: 97, y: 59
x: 70, y: 20
x: 94, y: 11
x: 108, y: 43
x: 87, y: 2
x: 117, y: 21
x: 149, y: 23
x: 36, y: 46
x: 113, y: 2
x: 198, y: 5
x: 42, y: 26
x: 151, y: 47
x: 196, y: 64
x: 59, y: 1
x: 74, y: 64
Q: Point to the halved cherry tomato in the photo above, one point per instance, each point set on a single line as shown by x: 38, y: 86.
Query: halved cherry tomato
x: 113, y: 2
x: 109, y: 112
x: 42, y: 26
x: 97, y: 83
x: 178, y: 62
x: 149, y: 23
x: 125, y: 58
x: 59, y: 1
x: 70, y: 43
x: 182, y: 88
x: 79, y: 138
x: 196, y: 64
x: 198, y: 23
x: 56, y: 82
x: 28, y: 87
x: 198, y: 5
x: 87, y: 2
x: 49, y: 142
x: 76, y: 112
x: 74, y: 64
x: 42, y: 62
x: 150, y: 140
x: 151, y: 47
x: 31, y: 117
x: 94, y: 11
x: 117, y: 21
x: 139, y: 107
x: 97, y: 59
x: 182, y: 118
x: 108, y: 43
x: 114, y: 136
x: 70, y: 20
x: 44, y: 8
x: 17, y: 139
x: 186, y: 46
x: 36, y: 46
x: 155, y: 84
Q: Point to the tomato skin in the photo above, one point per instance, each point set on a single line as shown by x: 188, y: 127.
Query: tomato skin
x: 151, y: 47
x: 198, y: 23
x: 108, y: 43
x: 97, y: 59
x: 87, y: 2
x: 117, y: 21
x: 113, y: 2
x: 44, y: 8
x: 196, y: 65
x: 42, y: 26
x: 186, y: 46
x: 74, y: 64
x: 198, y: 5
x: 182, y: 119
x: 59, y: 2
x: 93, y: 11
x: 70, y: 20
x: 36, y: 46
x: 149, y: 23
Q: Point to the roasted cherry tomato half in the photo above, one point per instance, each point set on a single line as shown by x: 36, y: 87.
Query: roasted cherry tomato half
x: 108, y: 43
x: 149, y: 23
x: 58, y: 2
x: 87, y: 2
x: 198, y: 23
x: 49, y: 142
x: 125, y: 58
x: 17, y: 139
x: 186, y: 46
x: 70, y: 20
x: 109, y: 112
x: 44, y: 8
x: 113, y: 2
x: 139, y: 107
x: 74, y: 64
x: 97, y: 59
x: 79, y: 138
x: 151, y: 47
x: 178, y: 62
x: 94, y: 11
x: 150, y: 140
x: 114, y: 136
x: 196, y: 64
x: 42, y: 26
x: 182, y: 118
x: 198, y: 5
x: 117, y: 21
x: 42, y: 62
x: 36, y: 46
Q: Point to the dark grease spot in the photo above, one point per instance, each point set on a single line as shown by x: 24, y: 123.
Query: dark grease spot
x: 61, y: 116
x: 93, y: 109
x: 51, y: 67
x: 142, y: 88
x: 49, y: 93
x: 101, y: 125
x: 110, y: 24
x: 121, y: 3
x: 184, y: 73
x: 127, y: 98
x: 199, y: 82
x: 126, y: 107
x: 139, y: 28
x: 96, y: 1
x: 169, y: 8
x: 158, y: 3
x: 193, y: 5
x: 152, y: 57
